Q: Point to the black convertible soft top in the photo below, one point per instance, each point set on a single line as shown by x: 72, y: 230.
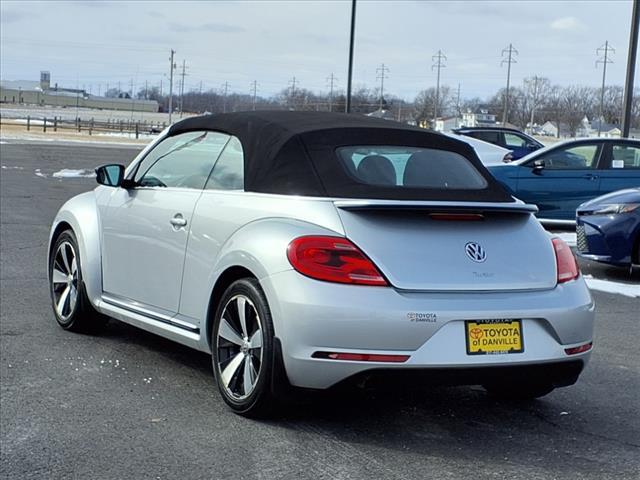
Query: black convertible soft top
x: 294, y: 153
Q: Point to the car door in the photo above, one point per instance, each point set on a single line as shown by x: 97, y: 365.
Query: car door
x: 568, y: 178
x: 145, y: 228
x: 621, y: 166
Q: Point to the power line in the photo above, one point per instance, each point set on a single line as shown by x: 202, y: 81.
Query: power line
x: 604, y: 59
x: 510, y: 51
x: 438, y: 58
x: 381, y: 74
x: 332, y: 80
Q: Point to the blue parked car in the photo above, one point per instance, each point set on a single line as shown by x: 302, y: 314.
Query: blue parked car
x: 560, y: 177
x: 608, y: 228
x: 519, y: 143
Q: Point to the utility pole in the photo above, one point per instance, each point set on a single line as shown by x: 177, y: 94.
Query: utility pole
x: 606, y: 48
x: 200, y: 91
x: 535, y: 103
x: 225, y: 86
x: 254, y: 91
x: 172, y: 67
x: 631, y: 69
x: 438, y: 58
x: 146, y: 90
x: 183, y: 74
x: 293, y: 92
x: 161, y: 87
x: 331, y: 79
x: 351, y: 42
x: 510, y: 51
x: 458, y: 102
x: 381, y: 72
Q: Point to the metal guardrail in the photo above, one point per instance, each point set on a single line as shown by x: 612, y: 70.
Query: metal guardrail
x: 89, y: 126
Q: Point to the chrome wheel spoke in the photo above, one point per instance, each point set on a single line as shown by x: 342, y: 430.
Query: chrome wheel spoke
x: 64, y: 296
x: 256, y: 339
x: 74, y: 266
x: 230, y: 370
x: 65, y: 259
x: 249, y: 375
x: 229, y: 333
x: 58, y: 276
x: 73, y: 297
x: 241, y: 304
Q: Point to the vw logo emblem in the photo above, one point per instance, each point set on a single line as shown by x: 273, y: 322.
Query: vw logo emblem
x: 475, y: 252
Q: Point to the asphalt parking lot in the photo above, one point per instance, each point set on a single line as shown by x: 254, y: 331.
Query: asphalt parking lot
x: 128, y: 404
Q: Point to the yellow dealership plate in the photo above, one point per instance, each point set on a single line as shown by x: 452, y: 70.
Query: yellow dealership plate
x: 485, y: 337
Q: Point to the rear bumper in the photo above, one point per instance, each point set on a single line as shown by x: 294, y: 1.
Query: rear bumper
x: 557, y: 374
x: 312, y: 316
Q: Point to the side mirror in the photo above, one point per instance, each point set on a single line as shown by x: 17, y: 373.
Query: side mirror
x: 532, y: 146
x: 110, y: 175
x: 538, y: 166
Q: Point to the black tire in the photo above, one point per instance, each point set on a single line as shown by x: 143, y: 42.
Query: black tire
x: 76, y: 315
x: 515, y: 392
x: 237, y: 362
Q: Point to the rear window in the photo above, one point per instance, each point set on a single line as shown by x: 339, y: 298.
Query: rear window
x: 410, y: 167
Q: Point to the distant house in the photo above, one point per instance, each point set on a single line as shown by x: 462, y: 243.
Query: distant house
x: 548, y: 129
x: 478, y: 118
x: 446, y: 124
x: 607, y: 130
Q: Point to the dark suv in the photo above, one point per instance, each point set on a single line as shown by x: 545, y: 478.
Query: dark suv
x: 519, y: 143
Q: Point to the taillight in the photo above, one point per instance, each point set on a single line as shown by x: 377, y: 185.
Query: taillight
x: 333, y: 259
x: 565, y: 261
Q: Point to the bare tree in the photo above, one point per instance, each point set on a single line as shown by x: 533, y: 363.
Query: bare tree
x: 425, y: 101
x: 578, y: 102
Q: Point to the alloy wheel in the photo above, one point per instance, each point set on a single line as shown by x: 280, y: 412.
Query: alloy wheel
x: 239, y: 347
x: 64, y: 280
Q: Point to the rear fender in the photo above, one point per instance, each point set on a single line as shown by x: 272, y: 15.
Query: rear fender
x: 261, y: 247
x: 81, y: 214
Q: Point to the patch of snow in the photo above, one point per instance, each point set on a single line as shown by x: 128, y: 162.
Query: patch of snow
x: 71, y: 173
x: 610, y: 286
x: 568, y: 237
x: 5, y: 167
x: 40, y: 174
x: 2, y: 142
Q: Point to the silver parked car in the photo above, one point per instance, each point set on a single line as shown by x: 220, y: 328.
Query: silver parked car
x: 306, y: 249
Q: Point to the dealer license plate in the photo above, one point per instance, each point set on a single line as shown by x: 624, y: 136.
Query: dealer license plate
x: 486, y: 337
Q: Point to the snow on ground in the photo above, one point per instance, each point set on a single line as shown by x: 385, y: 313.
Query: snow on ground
x: 610, y: 286
x: 70, y: 173
x: 569, y: 237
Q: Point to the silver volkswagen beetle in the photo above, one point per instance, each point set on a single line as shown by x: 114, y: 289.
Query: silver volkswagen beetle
x: 308, y: 249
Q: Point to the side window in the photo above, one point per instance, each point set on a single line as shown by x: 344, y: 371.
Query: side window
x: 625, y: 156
x: 490, y: 137
x: 228, y: 172
x: 572, y: 158
x: 511, y: 140
x: 183, y: 161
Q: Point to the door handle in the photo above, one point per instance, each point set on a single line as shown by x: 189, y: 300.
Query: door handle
x: 590, y: 176
x: 178, y: 221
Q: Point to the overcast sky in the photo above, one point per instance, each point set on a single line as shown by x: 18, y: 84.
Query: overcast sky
x: 93, y: 43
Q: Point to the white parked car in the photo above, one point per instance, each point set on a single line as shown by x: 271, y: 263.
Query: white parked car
x: 488, y: 153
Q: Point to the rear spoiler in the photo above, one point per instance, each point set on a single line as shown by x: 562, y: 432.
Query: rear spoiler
x: 437, y: 207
